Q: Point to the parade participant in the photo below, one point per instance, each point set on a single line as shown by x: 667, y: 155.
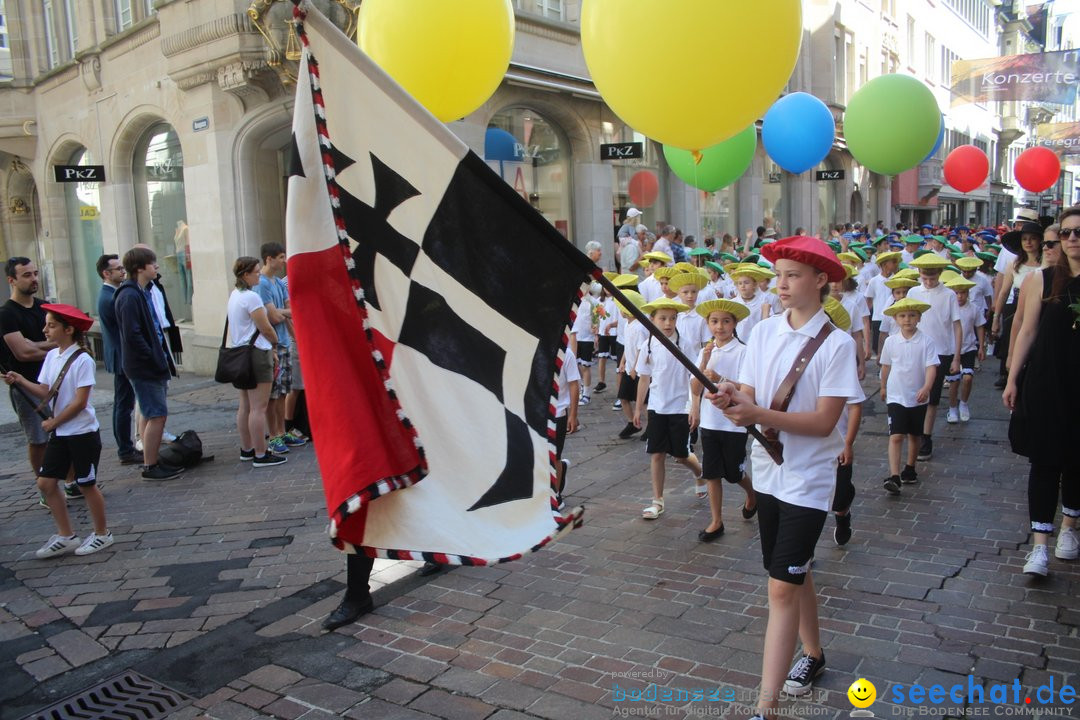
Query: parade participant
x: 583, y: 339
x: 909, y: 366
x: 846, y: 292
x: 972, y: 348
x: 634, y: 336
x: 982, y: 295
x: 606, y: 320
x: 64, y: 385
x: 663, y: 276
x: 941, y: 323
x: 848, y: 427
x: 723, y: 444
x: 911, y: 244
x: 878, y: 296
x: 566, y: 417
x: 663, y: 397
x: 690, y: 324
x: 1043, y: 394
x: 748, y: 293
x: 718, y: 282
x: 898, y: 289
x: 765, y: 285
x: 624, y: 282
x: 650, y: 286
x: 794, y: 499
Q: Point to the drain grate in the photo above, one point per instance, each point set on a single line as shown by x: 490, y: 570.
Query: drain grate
x: 127, y: 696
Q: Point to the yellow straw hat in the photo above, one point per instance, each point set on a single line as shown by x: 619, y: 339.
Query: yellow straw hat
x: 929, y: 261
x: 900, y: 282
x: 635, y: 299
x: 665, y: 272
x: 907, y: 304
x: 948, y: 275
x: 663, y: 304
x: 626, y: 280
x: 687, y: 278
x: 968, y: 263
x: 738, y: 310
x: 959, y: 283
x: 837, y: 313
x: 887, y: 256
x: 685, y: 267
x: 657, y: 256
x: 848, y: 257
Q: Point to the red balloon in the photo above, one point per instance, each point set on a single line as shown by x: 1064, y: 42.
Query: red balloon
x: 966, y: 168
x: 1037, y: 169
x: 644, y: 188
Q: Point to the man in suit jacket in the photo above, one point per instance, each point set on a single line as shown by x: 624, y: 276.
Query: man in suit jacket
x: 112, y: 274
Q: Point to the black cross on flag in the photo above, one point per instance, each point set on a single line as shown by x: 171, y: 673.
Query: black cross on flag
x: 431, y: 306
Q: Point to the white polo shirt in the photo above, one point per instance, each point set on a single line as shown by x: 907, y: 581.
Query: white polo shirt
x: 634, y: 337
x: 745, y: 328
x: 808, y: 476
x: 907, y: 359
x: 669, y: 384
x: 937, y: 322
x: 855, y: 304
x: 692, y: 327
x: 650, y: 289
x: 568, y: 374
x: 881, y: 296
x: 583, y: 322
x: 724, y: 361
x: 971, y: 317
x: 983, y: 292
x: 80, y: 374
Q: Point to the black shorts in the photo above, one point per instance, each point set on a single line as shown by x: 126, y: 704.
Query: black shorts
x: 875, y: 332
x: 617, y: 350
x: 560, y: 435
x: 668, y: 434
x: 605, y: 346
x: 627, y: 388
x: 967, y: 365
x: 906, y: 420
x: 944, y: 361
x: 789, y: 534
x: 585, y: 353
x: 845, y: 488
x: 81, y: 452
x: 723, y: 455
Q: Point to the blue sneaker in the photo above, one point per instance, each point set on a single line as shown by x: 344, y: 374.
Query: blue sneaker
x: 292, y: 441
x: 277, y: 446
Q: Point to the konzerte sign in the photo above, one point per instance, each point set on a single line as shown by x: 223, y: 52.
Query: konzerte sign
x: 1043, y: 77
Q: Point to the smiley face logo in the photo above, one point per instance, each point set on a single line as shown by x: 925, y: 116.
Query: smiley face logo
x: 862, y: 693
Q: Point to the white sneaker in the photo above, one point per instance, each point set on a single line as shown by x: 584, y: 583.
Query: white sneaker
x: 1037, y: 561
x: 617, y: 405
x: 965, y: 412
x: 584, y: 400
x: 57, y: 545
x: 954, y: 417
x: 138, y: 445
x: 95, y: 542
x: 1068, y: 545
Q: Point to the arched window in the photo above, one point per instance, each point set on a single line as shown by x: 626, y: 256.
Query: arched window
x: 83, y: 207
x: 828, y: 190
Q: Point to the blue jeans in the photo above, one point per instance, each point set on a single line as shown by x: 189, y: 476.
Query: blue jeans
x: 123, y: 407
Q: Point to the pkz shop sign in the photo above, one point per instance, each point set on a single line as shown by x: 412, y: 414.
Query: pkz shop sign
x: 79, y: 173
x: 622, y: 151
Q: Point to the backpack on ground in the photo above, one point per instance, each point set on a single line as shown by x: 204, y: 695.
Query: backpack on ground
x: 185, y: 451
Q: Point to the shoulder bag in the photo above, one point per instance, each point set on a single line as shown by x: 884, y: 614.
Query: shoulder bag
x: 236, y: 365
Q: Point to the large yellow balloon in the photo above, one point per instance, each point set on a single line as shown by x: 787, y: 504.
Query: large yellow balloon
x: 716, y: 67
x: 450, y: 55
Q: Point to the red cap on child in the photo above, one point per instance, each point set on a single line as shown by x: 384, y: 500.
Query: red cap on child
x: 72, y: 315
x: 809, y: 251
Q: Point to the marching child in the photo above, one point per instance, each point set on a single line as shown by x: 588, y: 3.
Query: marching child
x: 690, y: 324
x: 723, y: 444
x: 64, y: 383
x: 566, y: 420
x: 650, y: 286
x: 898, y: 289
x: 909, y: 364
x: 766, y: 284
x: 663, y: 277
x: 794, y: 498
x: 848, y: 427
x: 746, y: 279
x: 583, y: 339
x: 973, y: 324
x: 878, y: 296
x: 628, y: 281
x: 605, y: 319
x: 634, y: 336
x: 663, y: 396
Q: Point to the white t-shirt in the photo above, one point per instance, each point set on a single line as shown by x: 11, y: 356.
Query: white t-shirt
x: 669, y: 385
x: 776, y: 305
x: 971, y: 317
x: 983, y: 292
x: 80, y: 374
x: 635, y: 337
x: 662, y: 245
x: 583, y: 322
x: 241, y: 327
x: 1005, y: 258
x: 724, y: 361
x: 937, y: 322
x: 855, y: 304
x: 808, y: 476
x: 843, y: 422
x: 629, y: 255
x: 880, y: 295
x: 907, y: 359
x: 620, y: 328
x: 745, y: 327
x: 157, y: 299
x: 867, y: 272
x: 1018, y: 280
x: 568, y: 374
x: 906, y: 257
x: 692, y: 327
x: 650, y: 289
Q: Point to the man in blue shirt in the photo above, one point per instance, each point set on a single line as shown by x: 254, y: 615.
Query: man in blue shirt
x: 275, y: 298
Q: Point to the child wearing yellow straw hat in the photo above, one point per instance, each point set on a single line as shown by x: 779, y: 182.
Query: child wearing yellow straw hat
x: 973, y: 324
x: 634, y: 336
x: 690, y: 325
x: 878, y: 296
x: 909, y: 363
x: 848, y: 427
x: 748, y: 293
x: 583, y: 339
x: 663, y: 397
x: 723, y: 443
x: 898, y: 289
x: 650, y: 263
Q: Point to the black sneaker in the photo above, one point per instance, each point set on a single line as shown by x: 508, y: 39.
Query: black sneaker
x: 908, y: 476
x: 628, y: 432
x: 160, y: 471
x: 842, y: 533
x: 600, y: 387
x: 269, y: 460
x: 132, y: 458
x: 892, y: 484
x: 999, y: 384
x: 247, y: 455
x: 926, y: 448
x: 803, y: 673
x: 73, y: 491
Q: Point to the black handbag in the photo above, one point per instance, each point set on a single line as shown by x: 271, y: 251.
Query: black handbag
x: 236, y: 365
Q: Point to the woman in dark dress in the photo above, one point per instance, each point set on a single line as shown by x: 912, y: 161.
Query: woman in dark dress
x: 1044, y: 397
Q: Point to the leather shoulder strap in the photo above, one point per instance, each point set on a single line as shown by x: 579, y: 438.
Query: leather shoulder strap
x: 786, y: 391
x: 55, y: 389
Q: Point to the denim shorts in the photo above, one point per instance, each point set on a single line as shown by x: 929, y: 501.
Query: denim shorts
x: 151, y: 397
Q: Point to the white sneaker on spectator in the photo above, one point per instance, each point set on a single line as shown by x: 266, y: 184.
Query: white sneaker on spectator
x: 1068, y: 545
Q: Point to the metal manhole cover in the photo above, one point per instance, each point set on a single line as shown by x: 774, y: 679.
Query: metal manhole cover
x: 127, y: 696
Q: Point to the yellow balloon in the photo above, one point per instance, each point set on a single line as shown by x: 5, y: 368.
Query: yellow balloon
x: 450, y: 55
x: 711, y: 75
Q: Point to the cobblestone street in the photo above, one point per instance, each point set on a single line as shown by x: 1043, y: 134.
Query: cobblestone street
x: 218, y: 581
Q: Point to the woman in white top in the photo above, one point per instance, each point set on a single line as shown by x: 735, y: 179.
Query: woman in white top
x: 1026, y: 244
x: 247, y: 319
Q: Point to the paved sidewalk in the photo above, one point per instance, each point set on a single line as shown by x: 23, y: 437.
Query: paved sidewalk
x: 218, y: 582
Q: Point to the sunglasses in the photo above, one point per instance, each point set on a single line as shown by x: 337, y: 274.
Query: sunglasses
x: 1065, y: 233
x: 1050, y: 244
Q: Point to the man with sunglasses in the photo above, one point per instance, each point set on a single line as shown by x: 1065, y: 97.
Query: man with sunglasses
x: 112, y: 274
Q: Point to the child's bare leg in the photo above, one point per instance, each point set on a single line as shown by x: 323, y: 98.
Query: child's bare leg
x: 912, y: 450
x: 809, y: 632
x: 691, y: 462
x: 54, y: 496
x: 656, y: 466
x: 95, y: 503
x: 716, y: 504
x: 965, y: 387
x: 896, y: 443
x: 785, y: 607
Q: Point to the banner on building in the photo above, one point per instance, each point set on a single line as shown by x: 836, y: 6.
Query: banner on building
x: 1062, y: 138
x: 1041, y: 77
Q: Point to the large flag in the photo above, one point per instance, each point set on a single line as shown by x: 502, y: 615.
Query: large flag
x: 431, y: 305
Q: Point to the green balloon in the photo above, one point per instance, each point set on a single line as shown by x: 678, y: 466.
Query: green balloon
x: 721, y: 164
x: 891, y: 124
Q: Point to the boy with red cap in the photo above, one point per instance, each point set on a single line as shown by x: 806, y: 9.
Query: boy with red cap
x: 796, y: 376
x: 64, y: 385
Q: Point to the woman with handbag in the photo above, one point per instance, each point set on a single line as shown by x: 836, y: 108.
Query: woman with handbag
x: 250, y: 333
x: 1044, y: 391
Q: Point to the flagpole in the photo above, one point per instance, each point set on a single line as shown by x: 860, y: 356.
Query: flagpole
x: 598, y: 276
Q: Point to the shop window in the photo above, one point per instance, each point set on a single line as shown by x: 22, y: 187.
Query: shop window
x: 161, y: 208
x: 83, y: 208
x: 773, y: 192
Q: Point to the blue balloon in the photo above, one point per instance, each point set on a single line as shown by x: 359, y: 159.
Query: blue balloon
x: 937, y: 145
x: 798, y: 132
x: 500, y: 145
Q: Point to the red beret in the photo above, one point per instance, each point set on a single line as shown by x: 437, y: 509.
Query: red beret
x: 72, y: 316
x: 809, y: 251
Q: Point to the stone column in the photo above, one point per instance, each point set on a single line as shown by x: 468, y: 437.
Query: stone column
x: 592, y: 219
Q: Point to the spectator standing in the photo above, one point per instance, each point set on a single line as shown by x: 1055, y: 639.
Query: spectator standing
x: 275, y: 299
x: 112, y: 274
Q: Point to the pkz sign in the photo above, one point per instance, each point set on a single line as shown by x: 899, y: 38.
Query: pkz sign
x: 79, y: 173
x: 622, y: 151
x: 829, y: 175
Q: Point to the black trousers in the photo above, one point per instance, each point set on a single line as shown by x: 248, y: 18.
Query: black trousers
x: 357, y: 574
x: 1043, y: 484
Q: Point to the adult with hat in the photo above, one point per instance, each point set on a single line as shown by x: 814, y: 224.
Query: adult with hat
x: 1025, y: 245
x: 1043, y: 395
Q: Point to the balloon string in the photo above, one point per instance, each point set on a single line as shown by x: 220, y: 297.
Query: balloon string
x: 697, y: 156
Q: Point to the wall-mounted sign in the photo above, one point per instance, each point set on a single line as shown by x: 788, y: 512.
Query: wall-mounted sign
x: 622, y: 151
x: 88, y: 212
x: 775, y: 177
x: 79, y: 173
x: 829, y: 175
x: 200, y: 124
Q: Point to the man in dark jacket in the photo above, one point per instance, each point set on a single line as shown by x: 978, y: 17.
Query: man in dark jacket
x: 144, y: 355
x: 112, y: 274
